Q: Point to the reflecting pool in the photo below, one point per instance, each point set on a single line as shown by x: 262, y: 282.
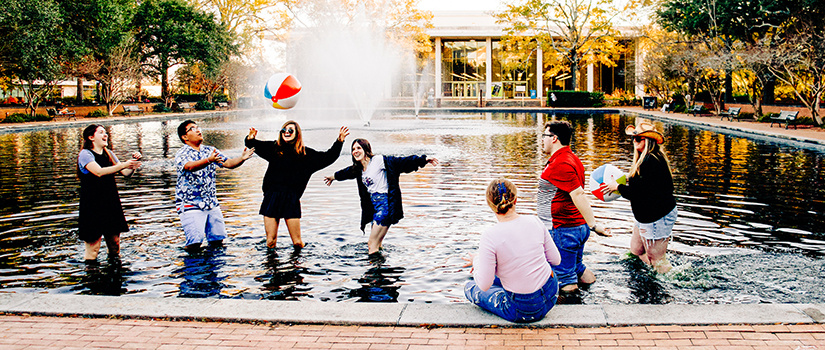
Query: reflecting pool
x: 750, y: 227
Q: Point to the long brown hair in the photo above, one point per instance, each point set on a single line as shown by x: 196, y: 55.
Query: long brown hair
x: 297, y: 142
x: 88, y: 132
x: 365, y: 145
x: 501, y: 195
x: 652, y: 149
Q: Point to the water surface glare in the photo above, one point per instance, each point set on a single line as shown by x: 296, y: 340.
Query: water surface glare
x: 750, y: 227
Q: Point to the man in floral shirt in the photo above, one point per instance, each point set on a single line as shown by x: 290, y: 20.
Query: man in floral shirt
x: 195, y: 194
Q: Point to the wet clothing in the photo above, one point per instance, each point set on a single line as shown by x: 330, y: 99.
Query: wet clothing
x: 565, y: 171
x: 100, y: 211
x: 196, y: 188
x: 394, y: 167
x: 199, y: 224
x: 288, y: 174
x: 570, y: 241
x: 659, y: 229
x: 650, y: 192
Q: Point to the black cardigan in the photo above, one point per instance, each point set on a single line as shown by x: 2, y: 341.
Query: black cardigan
x: 290, y: 172
x: 394, y: 167
x: 651, y: 191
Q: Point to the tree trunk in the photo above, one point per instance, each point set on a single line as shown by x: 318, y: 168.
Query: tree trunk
x: 768, y: 95
x: 79, y: 97
x: 164, y: 83
x: 728, y: 86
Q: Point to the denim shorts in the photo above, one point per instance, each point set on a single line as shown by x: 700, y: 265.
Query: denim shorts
x: 199, y: 224
x: 659, y: 229
x: 515, y: 307
x: 381, y: 205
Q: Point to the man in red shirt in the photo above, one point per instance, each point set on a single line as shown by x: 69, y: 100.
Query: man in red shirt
x: 571, y: 216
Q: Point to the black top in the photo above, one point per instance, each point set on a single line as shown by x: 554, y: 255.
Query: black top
x: 651, y: 191
x: 100, y: 212
x: 394, y: 167
x: 289, y: 171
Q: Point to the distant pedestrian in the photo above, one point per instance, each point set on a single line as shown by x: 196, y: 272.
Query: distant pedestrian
x: 512, y: 277
x: 378, y: 187
x: 649, y: 189
x: 196, y: 197
x: 100, y: 213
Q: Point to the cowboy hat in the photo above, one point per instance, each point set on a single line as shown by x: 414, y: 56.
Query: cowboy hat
x: 645, y: 129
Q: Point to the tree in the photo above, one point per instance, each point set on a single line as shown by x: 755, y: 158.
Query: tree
x: 800, y: 63
x: 33, y: 46
x: 573, y: 30
x: 171, y: 32
x: 108, y: 46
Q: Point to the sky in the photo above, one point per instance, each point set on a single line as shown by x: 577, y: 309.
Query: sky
x: 456, y: 5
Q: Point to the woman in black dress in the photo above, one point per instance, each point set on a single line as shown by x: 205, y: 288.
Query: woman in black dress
x: 291, y: 164
x: 101, y: 215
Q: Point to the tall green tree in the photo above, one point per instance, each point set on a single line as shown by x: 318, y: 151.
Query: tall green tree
x: 103, y: 27
x: 33, y: 46
x: 172, y: 32
x: 576, y: 31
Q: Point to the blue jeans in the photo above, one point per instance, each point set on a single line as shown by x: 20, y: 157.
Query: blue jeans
x: 515, y: 307
x: 570, y: 241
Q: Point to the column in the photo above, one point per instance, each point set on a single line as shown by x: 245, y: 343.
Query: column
x: 488, y: 71
x: 640, y: 58
x: 540, y: 75
x: 438, y: 68
x: 590, y: 78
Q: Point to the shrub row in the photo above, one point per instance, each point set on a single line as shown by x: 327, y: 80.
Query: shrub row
x: 566, y: 98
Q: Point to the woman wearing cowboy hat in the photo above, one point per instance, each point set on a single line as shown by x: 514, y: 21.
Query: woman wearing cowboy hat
x: 650, y: 192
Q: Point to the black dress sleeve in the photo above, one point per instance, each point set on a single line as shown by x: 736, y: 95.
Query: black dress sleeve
x: 264, y: 149
x: 319, y: 160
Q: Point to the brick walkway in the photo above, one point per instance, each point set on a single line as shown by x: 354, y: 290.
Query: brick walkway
x: 33, y: 332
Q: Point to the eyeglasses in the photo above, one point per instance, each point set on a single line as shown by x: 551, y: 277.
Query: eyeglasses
x: 638, y: 138
x: 193, y: 127
x: 548, y: 135
x: 287, y: 130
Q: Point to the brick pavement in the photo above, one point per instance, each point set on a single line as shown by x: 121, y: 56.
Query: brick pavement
x: 36, y: 332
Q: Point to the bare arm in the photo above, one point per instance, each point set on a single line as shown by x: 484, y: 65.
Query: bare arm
x: 583, y: 205
x: 196, y: 165
x: 237, y: 161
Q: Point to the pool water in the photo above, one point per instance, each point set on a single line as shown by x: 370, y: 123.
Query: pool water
x: 750, y: 227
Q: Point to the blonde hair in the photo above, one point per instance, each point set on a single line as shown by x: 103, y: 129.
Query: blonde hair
x: 652, y: 149
x: 501, y: 195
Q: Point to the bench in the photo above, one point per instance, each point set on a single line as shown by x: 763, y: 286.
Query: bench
x: 649, y: 103
x: 787, y: 117
x: 222, y: 105
x: 70, y: 115
x: 732, y: 113
x: 129, y: 109
x: 186, y: 105
x: 696, y: 110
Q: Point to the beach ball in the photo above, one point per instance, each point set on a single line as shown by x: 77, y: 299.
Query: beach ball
x: 283, y: 89
x: 604, y: 174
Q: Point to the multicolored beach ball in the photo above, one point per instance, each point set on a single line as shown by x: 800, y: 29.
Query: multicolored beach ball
x: 602, y: 175
x: 283, y: 89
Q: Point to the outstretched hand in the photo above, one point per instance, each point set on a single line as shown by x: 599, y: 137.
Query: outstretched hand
x: 215, y: 158
x: 432, y: 161
x: 328, y: 180
x: 343, y: 133
x: 132, y: 164
x: 247, y: 153
x: 136, y: 156
x: 252, y: 133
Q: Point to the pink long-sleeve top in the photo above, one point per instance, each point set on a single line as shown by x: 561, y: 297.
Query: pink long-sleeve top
x: 519, y: 252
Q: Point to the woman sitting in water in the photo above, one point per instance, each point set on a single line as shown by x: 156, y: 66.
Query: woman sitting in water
x: 378, y: 187
x: 650, y: 192
x: 101, y: 214
x: 512, y: 277
x: 291, y: 164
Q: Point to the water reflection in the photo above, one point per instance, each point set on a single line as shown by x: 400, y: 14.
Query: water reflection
x: 283, y: 279
x: 201, y: 273
x: 750, y: 226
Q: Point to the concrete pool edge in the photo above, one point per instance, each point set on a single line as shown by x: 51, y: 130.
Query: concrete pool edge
x: 414, y: 315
